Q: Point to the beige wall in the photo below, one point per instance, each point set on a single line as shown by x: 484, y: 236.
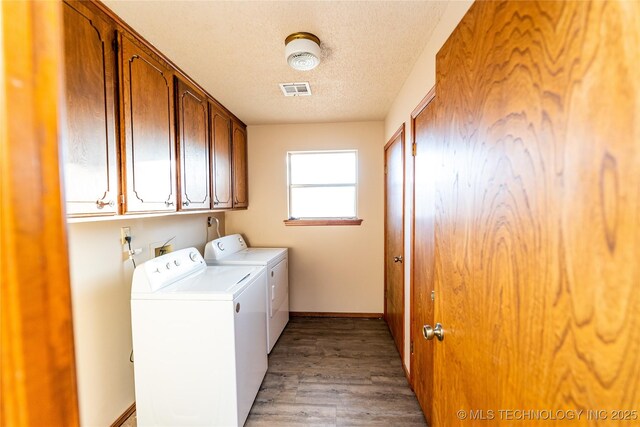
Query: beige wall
x: 421, y: 79
x: 331, y: 269
x: 101, y: 285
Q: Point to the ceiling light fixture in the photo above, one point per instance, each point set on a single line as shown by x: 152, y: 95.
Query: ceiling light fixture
x: 302, y: 51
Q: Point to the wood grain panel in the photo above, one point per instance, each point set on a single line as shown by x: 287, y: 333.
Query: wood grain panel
x: 193, y: 148
x: 125, y: 416
x: 124, y: 28
x: 148, y: 130
x: 37, y: 366
x: 394, y: 237
x: 423, y: 251
x: 221, y: 144
x: 240, y: 177
x: 91, y: 169
x: 538, y: 210
x: 321, y: 222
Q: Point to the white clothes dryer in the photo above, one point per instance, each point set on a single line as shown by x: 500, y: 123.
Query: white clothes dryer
x: 198, y: 340
x: 233, y: 250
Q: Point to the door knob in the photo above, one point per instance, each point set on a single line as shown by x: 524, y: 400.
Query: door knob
x: 397, y: 259
x: 428, y: 332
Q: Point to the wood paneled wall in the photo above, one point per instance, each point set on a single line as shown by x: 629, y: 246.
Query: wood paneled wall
x: 537, y: 225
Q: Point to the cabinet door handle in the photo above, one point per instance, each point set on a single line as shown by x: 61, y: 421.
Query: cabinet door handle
x: 185, y: 203
x: 168, y: 203
x: 397, y: 259
x: 100, y: 204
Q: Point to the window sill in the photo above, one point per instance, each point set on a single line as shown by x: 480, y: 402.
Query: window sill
x: 321, y: 222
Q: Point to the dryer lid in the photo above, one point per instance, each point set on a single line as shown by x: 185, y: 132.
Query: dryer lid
x: 251, y: 256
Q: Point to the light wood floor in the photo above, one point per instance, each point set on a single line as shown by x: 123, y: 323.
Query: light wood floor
x: 334, y: 372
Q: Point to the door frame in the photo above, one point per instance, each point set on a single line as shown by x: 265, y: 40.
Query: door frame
x: 398, y: 133
x: 37, y: 372
x: 428, y: 98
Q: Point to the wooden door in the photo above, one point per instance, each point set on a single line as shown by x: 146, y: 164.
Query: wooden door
x: 193, y: 148
x: 90, y: 167
x: 538, y: 212
x: 422, y: 253
x: 37, y: 362
x: 394, y: 237
x: 148, y: 130
x: 221, y: 163
x: 239, y: 153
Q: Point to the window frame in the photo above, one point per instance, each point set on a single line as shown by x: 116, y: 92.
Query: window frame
x: 319, y: 221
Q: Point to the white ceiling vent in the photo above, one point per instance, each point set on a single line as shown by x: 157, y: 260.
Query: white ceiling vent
x: 296, y: 89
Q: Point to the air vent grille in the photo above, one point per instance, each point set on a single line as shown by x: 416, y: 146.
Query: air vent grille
x: 296, y: 89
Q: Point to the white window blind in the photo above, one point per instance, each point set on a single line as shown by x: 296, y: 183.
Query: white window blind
x: 323, y: 184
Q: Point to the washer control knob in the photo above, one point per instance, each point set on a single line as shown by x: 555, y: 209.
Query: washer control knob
x: 193, y: 257
x: 220, y: 246
x: 177, y: 262
x: 168, y: 265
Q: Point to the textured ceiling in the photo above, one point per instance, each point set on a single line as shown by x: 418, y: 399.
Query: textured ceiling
x: 235, y: 50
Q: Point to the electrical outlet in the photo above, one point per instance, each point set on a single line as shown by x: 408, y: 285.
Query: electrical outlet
x: 124, y: 232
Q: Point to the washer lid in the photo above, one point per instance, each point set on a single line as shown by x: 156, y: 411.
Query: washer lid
x: 213, y: 283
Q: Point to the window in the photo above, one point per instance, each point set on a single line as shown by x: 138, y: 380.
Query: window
x: 323, y: 186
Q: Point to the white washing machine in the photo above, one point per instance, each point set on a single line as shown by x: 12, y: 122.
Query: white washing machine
x: 198, y: 340
x: 233, y: 250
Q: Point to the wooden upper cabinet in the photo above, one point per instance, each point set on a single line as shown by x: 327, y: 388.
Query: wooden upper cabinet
x: 147, y: 130
x: 240, y: 178
x: 221, y: 162
x: 194, y: 167
x: 139, y: 137
x: 89, y: 145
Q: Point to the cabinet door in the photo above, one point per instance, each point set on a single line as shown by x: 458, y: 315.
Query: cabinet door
x: 221, y: 164
x: 90, y: 165
x: 149, y: 151
x: 239, y: 152
x: 193, y: 148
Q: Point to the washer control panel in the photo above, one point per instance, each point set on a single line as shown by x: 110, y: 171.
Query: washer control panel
x: 167, y: 269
